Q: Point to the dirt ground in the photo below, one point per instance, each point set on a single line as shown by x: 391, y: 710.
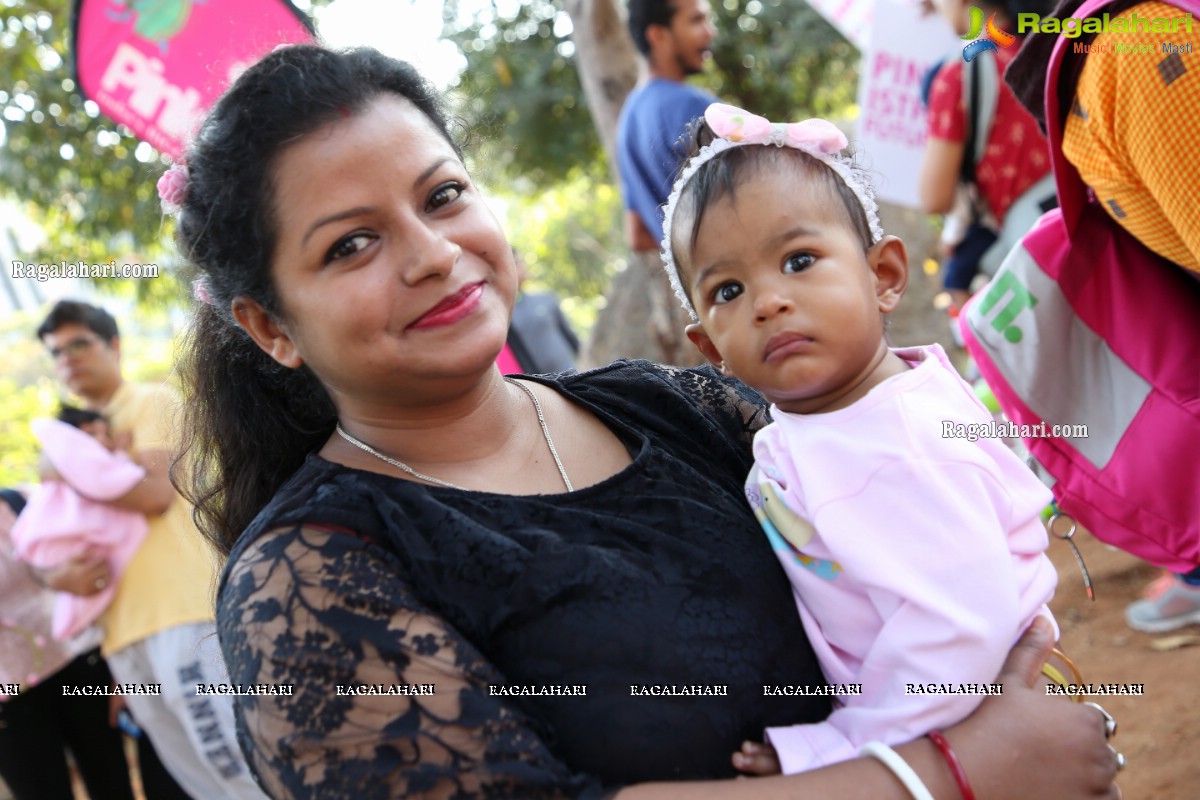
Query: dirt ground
x: 1159, y: 733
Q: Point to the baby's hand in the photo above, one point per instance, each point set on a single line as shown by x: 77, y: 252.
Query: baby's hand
x: 756, y: 759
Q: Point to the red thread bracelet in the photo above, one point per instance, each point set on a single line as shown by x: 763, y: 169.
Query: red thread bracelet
x: 960, y: 777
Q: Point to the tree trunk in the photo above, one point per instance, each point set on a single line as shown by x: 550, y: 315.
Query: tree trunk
x: 641, y: 317
x: 607, y: 63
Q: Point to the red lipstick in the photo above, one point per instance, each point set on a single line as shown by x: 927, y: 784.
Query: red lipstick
x: 451, y: 308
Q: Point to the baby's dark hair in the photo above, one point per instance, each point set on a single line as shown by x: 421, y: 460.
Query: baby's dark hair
x: 78, y: 417
x: 721, y: 175
x: 250, y: 421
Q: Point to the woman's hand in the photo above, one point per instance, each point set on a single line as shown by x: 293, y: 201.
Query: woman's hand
x: 1018, y: 745
x: 84, y: 575
x: 1024, y: 744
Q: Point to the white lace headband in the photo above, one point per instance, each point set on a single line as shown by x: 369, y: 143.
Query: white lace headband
x: 735, y: 128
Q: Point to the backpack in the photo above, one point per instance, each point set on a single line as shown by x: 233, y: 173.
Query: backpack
x: 1084, y: 326
x: 981, y: 94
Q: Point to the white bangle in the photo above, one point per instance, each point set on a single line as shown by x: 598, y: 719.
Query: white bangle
x: 899, y: 767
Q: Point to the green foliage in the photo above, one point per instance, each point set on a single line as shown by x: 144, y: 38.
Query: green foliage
x: 520, y: 94
x: 88, y: 182
x: 570, y: 237
x: 781, y: 59
x: 21, y: 405
x: 26, y: 391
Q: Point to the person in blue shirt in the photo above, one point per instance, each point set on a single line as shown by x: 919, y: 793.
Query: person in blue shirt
x: 540, y: 335
x: 673, y: 37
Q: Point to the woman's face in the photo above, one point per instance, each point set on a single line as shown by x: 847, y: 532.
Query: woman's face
x: 391, y: 270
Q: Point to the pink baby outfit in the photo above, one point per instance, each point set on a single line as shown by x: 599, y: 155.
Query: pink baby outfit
x: 59, y: 522
x: 915, y: 559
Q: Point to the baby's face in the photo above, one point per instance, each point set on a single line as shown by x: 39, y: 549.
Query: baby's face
x: 98, y: 430
x: 786, y: 295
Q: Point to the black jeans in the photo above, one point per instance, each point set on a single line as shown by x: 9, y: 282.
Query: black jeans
x: 37, y: 726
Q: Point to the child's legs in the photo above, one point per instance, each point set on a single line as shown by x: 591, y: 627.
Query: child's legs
x: 962, y: 267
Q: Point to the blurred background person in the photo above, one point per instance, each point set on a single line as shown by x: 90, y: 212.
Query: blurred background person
x: 38, y: 724
x: 982, y: 144
x: 539, y: 336
x: 673, y: 37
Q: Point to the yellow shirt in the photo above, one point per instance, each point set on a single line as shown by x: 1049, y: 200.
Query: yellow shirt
x: 172, y: 578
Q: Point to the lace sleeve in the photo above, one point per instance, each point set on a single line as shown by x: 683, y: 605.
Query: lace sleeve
x: 740, y: 409
x: 323, y: 610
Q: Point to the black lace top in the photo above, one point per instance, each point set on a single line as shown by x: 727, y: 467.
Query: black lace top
x: 656, y: 577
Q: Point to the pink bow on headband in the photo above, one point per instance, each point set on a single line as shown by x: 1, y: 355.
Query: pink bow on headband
x: 737, y: 125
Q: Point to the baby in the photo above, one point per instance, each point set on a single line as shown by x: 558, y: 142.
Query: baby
x: 917, y: 560
x: 65, y: 518
x: 90, y: 422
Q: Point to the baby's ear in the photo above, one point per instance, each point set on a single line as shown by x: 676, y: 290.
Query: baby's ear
x: 705, y: 345
x: 889, y: 261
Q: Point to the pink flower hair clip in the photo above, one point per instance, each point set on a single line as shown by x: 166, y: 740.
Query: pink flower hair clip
x: 200, y: 291
x: 172, y: 189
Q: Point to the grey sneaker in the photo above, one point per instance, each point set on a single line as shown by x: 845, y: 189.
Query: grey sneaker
x: 1170, y: 604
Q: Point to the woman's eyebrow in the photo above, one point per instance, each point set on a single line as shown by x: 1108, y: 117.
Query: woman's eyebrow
x: 338, y: 217
x: 354, y: 212
x: 424, y: 176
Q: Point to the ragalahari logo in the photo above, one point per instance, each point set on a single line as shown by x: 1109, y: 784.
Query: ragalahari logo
x: 993, y: 35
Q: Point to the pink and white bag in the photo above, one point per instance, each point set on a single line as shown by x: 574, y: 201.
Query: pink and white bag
x: 1083, y: 325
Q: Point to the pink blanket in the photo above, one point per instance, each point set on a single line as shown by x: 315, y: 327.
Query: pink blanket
x: 60, y: 522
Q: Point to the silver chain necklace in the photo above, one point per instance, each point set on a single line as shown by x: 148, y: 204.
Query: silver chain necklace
x: 405, y: 468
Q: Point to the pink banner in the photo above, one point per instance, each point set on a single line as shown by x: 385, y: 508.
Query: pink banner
x: 158, y: 65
